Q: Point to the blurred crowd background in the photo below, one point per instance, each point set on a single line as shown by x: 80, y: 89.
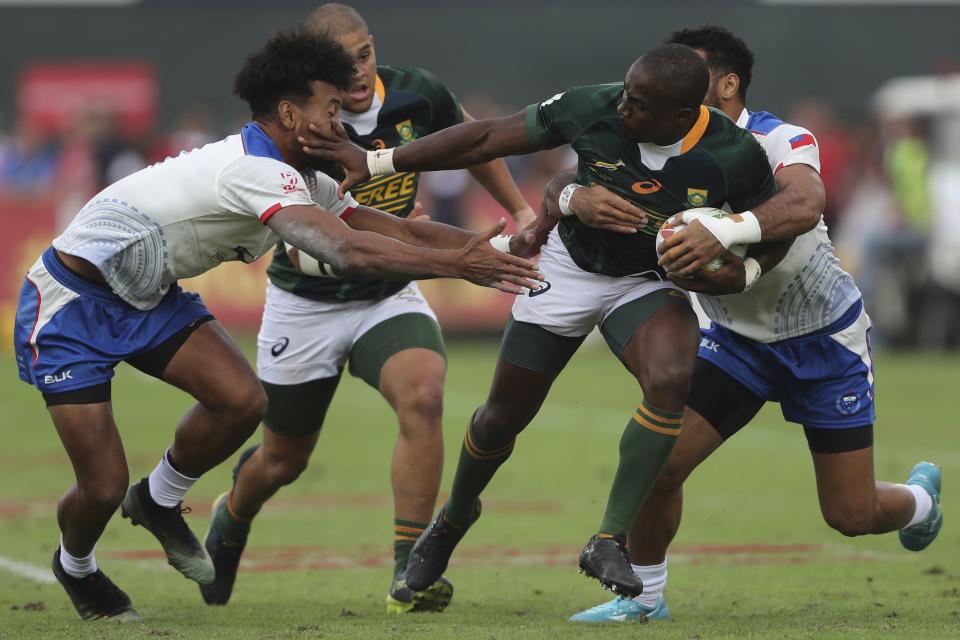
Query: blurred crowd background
x: 98, y: 92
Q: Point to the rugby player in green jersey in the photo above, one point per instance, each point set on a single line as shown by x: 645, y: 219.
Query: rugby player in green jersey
x: 659, y: 151
x: 313, y: 325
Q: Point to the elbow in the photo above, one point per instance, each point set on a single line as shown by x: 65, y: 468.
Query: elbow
x: 351, y: 262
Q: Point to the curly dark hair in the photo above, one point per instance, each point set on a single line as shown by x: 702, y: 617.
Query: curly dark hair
x: 726, y: 53
x: 286, y: 65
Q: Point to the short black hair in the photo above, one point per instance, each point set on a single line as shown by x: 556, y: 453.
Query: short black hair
x: 725, y: 52
x: 679, y: 71
x: 286, y: 65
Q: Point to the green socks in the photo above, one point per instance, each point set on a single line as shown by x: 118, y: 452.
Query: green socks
x: 405, y: 534
x: 644, y: 448
x: 477, y: 466
x: 233, y: 530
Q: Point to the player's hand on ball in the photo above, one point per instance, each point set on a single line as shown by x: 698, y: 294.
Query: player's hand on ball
x: 730, y: 277
x: 526, y: 243
x: 483, y: 265
x: 600, y: 208
x: 330, y: 146
x: 688, y: 250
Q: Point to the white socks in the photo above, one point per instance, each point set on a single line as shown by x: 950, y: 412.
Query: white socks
x: 77, y: 567
x: 654, y: 579
x: 923, y: 501
x: 167, y: 485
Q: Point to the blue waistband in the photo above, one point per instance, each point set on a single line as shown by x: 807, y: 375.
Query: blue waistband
x: 72, y: 281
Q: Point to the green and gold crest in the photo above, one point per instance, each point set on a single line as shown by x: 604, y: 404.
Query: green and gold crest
x: 405, y: 129
x: 697, y: 197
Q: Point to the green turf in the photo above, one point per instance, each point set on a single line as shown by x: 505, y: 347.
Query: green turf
x: 515, y: 574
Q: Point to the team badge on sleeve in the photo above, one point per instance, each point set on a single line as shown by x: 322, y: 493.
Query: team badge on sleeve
x: 802, y: 140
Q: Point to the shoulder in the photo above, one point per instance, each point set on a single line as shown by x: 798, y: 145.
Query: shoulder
x: 722, y: 132
x: 412, y: 79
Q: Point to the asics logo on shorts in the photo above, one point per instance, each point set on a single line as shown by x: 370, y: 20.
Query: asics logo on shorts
x: 544, y: 287
x: 279, y: 347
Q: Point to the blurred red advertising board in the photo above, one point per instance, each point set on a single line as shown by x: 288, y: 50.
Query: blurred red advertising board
x: 51, y: 95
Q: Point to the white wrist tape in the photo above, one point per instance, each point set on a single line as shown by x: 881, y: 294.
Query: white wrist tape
x: 310, y: 265
x: 742, y: 228
x: 501, y: 243
x: 380, y: 162
x: 565, y: 196
x: 752, y: 267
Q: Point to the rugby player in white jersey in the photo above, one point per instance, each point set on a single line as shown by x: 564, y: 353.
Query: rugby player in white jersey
x: 106, y: 292
x: 788, y: 326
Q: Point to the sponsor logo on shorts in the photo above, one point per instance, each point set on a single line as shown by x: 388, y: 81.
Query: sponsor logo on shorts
x: 544, y: 287
x: 710, y: 345
x: 848, y: 404
x: 58, y: 377
x: 279, y: 347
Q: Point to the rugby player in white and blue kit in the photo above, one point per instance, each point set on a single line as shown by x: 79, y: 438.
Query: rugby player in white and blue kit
x: 106, y: 292
x: 798, y: 336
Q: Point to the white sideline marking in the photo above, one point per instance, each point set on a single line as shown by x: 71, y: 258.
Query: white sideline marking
x: 28, y: 571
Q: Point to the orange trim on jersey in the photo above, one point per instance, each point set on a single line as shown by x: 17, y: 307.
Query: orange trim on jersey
x: 699, y: 127
x: 269, y: 212
x: 378, y: 88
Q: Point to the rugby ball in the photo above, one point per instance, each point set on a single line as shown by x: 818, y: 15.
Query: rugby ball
x: 704, y: 212
x: 308, y: 264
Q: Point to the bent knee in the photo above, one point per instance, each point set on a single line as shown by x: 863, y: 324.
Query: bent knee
x: 106, y: 493
x: 423, y: 399
x: 246, y: 407
x: 283, y: 470
x: 667, y: 383
x: 850, y: 522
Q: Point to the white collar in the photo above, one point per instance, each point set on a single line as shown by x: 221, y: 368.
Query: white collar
x: 743, y: 119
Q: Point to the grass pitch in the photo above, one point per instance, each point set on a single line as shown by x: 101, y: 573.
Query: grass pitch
x: 753, y: 558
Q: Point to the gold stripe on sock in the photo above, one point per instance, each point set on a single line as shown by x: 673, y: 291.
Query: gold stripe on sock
x: 397, y: 538
x: 645, y: 422
x: 480, y: 454
x: 233, y: 514
x: 399, y: 528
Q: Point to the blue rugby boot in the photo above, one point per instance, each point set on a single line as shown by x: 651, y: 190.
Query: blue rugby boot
x: 920, y: 535
x: 623, y: 610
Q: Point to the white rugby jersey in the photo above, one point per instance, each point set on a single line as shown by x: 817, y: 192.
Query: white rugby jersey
x: 808, y: 290
x: 183, y: 216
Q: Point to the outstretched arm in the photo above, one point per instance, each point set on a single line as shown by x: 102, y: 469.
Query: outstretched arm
x: 350, y: 252
x: 456, y: 147
x: 495, y: 178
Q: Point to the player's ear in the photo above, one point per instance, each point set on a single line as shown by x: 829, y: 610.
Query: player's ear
x: 729, y: 86
x: 288, y: 114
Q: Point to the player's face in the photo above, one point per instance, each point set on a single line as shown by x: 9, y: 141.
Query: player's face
x: 712, y: 99
x: 641, y: 109
x: 360, y: 45
x: 320, y: 110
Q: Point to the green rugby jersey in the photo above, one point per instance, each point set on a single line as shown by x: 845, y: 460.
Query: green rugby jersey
x: 414, y: 104
x: 718, y: 163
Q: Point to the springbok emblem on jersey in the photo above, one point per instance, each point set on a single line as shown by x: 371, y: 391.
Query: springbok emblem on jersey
x: 697, y: 197
x: 405, y: 130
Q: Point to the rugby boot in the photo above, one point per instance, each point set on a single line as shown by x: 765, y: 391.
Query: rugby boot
x: 919, y: 536
x: 403, y: 599
x: 623, y: 610
x: 184, y: 552
x: 95, y: 597
x: 431, y: 554
x: 605, y: 558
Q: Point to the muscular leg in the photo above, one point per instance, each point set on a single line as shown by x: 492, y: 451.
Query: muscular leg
x: 660, y: 354
x: 90, y: 438
x: 657, y: 522
x: 231, y: 401
x: 531, y: 358
x: 292, y: 426
x: 852, y: 502
x: 412, y: 382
